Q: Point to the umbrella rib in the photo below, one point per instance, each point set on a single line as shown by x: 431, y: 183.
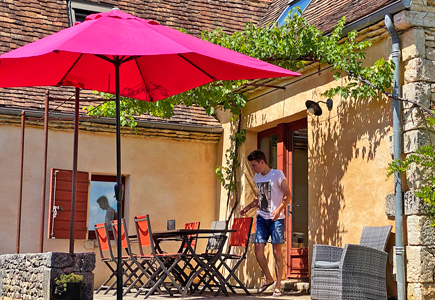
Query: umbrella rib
x: 144, y: 82
x: 66, y: 74
x: 211, y: 77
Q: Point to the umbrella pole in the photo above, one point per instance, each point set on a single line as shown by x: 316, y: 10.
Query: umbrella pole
x: 74, y: 172
x: 118, y: 186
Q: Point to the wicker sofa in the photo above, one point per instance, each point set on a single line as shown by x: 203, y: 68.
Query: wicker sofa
x: 353, y: 272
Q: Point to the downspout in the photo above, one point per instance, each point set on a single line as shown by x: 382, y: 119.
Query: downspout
x: 397, y: 142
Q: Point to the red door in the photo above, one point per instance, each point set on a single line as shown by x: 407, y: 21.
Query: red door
x: 285, y: 147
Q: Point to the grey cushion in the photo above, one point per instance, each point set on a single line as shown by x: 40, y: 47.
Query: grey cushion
x: 327, y: 264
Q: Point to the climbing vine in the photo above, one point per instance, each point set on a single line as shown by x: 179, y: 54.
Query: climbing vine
x: 294, y: 45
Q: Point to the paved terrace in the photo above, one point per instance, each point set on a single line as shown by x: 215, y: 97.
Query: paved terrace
x: 210, y: 296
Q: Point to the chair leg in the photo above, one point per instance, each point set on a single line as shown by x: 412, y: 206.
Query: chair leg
x: 103, y: 285
x: 233, y: 274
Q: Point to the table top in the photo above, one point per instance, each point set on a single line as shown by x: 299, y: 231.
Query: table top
x: 180, y: 232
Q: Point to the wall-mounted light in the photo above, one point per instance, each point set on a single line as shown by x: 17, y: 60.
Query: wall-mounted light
x: 314, y: 107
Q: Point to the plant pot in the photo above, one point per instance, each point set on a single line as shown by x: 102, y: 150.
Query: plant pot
x: 73, y: 292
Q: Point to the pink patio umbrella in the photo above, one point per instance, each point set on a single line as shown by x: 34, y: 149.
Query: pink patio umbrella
x: 118, y: 53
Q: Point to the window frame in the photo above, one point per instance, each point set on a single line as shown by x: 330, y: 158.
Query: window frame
x: 73, y: 6
x: 290, y: 6
x: 104, y: 178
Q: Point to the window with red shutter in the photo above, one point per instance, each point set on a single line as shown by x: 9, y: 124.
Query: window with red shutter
x: 102, y: 202
x: 60, y: 204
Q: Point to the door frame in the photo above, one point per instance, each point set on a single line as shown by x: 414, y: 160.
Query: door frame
x: 284, y: 162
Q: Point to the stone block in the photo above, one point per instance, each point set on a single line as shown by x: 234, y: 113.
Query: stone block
x: 421, y: 291
x: 407, y: 19
x: 87, y: 286
x: 413, y: 118
x: 413, y: 139
x: 417, y: 91
x: 413, y: 204
x: 59, y: 260
x: 420, y: 263
x: 390, y: 205
x: 430, y: 53
x: 84, y: 262
x: 413, y: 44
x: 419, y: 69
x: 420, y: 231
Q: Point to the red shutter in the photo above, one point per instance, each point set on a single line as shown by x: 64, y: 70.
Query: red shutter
x: 60, y: 196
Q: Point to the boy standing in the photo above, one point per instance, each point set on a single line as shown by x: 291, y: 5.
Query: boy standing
x: 273, y: 190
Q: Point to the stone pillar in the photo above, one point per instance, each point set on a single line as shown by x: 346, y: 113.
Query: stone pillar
x: 417, y: 28
x: 31, y: 276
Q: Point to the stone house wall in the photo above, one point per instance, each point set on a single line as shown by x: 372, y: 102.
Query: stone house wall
x: 417, y: 29
x: 31, y: 276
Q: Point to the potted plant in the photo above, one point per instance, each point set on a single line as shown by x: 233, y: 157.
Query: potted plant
x: 68, y: 286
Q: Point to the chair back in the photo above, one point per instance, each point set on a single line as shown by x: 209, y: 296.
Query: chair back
x: 192, y: 237
x: 125, y: 242
x: 215, y: 239
x: 144, y: 233
x: 375, y: 237
x: 241, y: 236
x: 103, y: 239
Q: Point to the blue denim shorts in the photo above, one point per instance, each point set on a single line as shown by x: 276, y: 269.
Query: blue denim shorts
x: 266, y: 228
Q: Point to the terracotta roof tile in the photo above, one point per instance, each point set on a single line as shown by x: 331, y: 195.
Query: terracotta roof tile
x: 325, y: 14
x: 25, y: 21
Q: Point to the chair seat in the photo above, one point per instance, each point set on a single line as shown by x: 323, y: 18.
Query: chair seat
x: 169, y: 254
x: 231, y: 256
x: 327, y: 264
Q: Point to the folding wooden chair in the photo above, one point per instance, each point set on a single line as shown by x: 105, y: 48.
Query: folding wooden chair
x: 193, y: 238
x: 165, y: 262
x: 214, y: 247
x: 239, y: 238
x: 131, y: 265
x: 106, y: 255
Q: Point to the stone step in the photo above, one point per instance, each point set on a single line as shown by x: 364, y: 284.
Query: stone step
x: 295, y: 286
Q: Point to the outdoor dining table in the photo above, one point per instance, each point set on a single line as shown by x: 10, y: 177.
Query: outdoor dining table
x: 208, y: 267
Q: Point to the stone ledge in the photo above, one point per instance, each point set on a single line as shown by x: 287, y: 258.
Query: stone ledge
x: 412, y: 205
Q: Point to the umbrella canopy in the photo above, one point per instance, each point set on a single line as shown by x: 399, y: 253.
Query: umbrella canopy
x: 155, y: 61
x: 118, y: 53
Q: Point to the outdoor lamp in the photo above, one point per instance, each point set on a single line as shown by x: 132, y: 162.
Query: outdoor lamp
x: 314, y: 107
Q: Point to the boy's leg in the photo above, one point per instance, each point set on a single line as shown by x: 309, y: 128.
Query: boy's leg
x: 262, y: 261
x: 277, y: 229
x: 277, y: 254
x: 261, y: 237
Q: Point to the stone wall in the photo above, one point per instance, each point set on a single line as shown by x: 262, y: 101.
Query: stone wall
x: 31, y: 276
x: 417, y: 29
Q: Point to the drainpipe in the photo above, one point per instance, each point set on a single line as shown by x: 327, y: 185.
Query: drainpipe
x: 397, y: 142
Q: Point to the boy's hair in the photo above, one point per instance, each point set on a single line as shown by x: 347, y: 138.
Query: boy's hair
x: 258, y: 156
x: 103, y: 199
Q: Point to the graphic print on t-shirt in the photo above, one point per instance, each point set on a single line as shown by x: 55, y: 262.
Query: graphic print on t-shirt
x: 264, y: 194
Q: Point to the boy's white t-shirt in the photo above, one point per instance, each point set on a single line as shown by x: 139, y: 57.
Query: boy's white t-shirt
x: 269, y: 193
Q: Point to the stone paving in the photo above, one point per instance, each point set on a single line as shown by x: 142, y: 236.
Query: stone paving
x: 210, y: 296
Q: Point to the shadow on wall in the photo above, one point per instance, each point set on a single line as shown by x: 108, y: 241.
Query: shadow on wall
x: 354, y: 131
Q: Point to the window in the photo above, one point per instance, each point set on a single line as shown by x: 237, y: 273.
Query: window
x: 78, y: 10
x: 292, y: 4
x: 102, y: 202
x: 59, y: 220
x: 100, y: 211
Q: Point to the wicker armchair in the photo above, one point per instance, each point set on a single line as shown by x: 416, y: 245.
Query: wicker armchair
x: 355, y: 272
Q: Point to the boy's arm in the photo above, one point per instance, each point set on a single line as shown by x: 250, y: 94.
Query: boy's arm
x: 248, y: 207
x: 284, y: 201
